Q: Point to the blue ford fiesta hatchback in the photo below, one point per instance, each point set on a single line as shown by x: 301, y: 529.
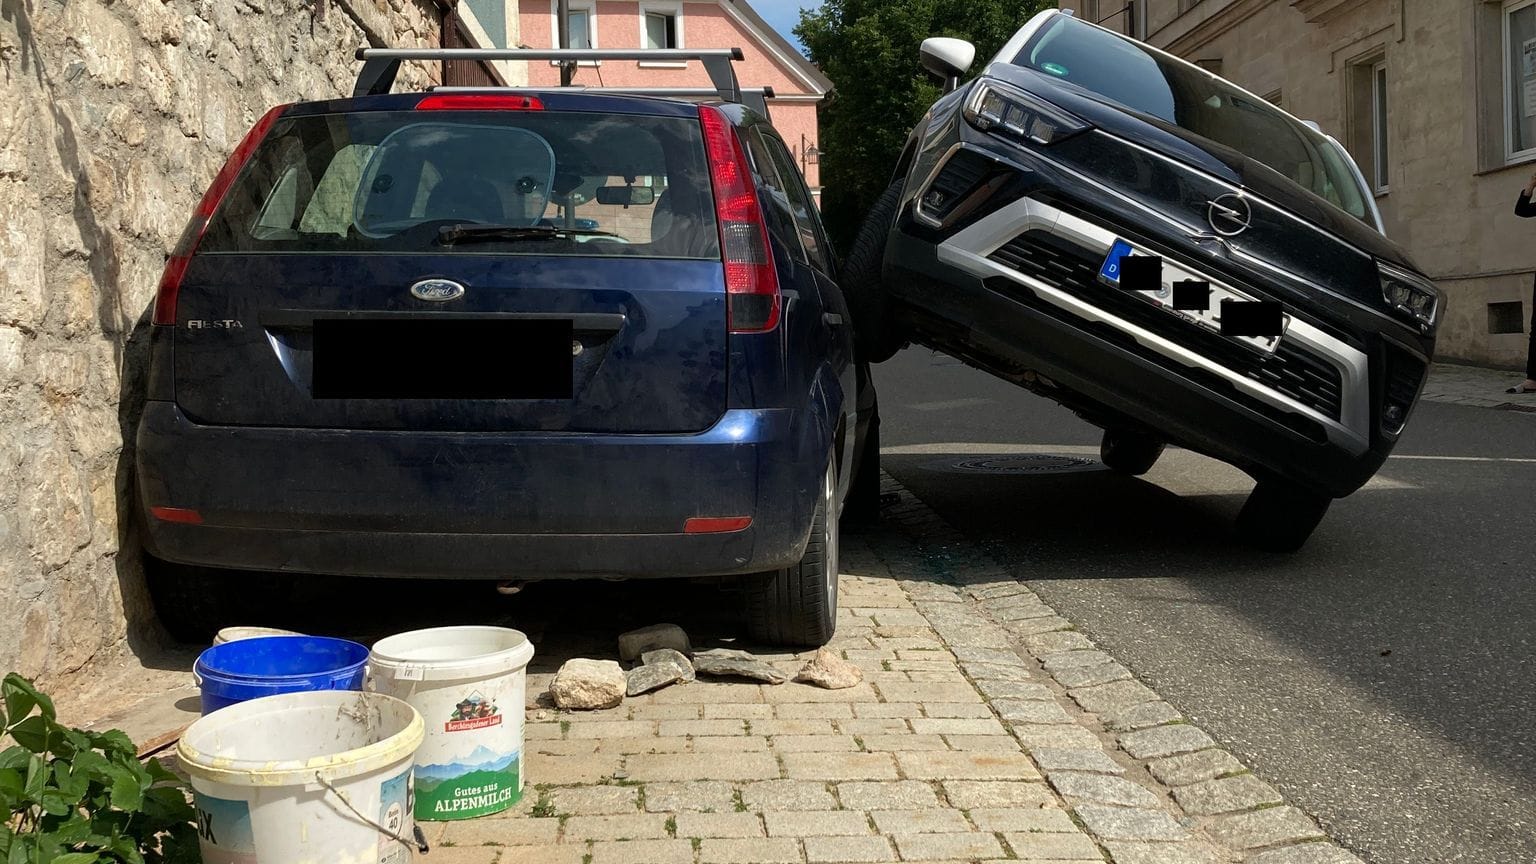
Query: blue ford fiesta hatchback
x: 392, y: 343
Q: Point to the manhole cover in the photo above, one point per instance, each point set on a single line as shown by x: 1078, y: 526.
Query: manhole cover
x: 1023, y: 463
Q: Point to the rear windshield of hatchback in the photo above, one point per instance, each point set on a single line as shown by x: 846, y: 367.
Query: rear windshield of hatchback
x: 411, y: 181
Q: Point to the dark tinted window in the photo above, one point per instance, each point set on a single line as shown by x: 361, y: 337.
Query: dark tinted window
x: 802, y: 208
x: 1186, y: 96
x: 781, y: 220
x: 389, y: 181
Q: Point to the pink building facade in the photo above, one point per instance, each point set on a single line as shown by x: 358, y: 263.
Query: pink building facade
x: 770, y: 60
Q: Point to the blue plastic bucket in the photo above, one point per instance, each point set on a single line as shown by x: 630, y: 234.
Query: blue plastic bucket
x: 270, y: 665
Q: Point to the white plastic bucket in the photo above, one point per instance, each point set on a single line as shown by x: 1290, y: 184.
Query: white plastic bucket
x: 468, y: 683
x: 235, y: 634
x: 305, y: 778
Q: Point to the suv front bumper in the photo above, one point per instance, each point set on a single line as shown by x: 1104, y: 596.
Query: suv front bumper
x: 1304, y: 413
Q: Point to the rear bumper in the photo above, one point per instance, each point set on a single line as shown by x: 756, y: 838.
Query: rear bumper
x: 479, y: 505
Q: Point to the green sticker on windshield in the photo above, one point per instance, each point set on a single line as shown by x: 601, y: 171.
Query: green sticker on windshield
x: 1054, y: 69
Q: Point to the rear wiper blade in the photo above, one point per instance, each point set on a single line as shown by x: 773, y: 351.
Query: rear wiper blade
x: 450, y: 234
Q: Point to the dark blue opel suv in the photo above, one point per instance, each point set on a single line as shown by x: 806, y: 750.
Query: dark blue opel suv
x: 504, y: 335
x: 1170, y: 256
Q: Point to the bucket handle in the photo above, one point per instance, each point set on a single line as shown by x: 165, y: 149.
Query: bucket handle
x: 418, y: 842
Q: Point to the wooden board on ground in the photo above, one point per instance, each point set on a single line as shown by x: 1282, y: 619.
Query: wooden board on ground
x: 155, y: 722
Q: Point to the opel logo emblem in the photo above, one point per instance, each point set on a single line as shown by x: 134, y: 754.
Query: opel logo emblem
x: 437, y: 290
x: 1229, y: 215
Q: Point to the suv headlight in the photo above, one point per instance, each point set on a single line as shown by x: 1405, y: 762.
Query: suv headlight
x: 1008, y: 111
x: 1409, y: 294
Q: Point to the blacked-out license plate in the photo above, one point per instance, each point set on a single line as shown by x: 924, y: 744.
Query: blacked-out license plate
x: 414, y: 358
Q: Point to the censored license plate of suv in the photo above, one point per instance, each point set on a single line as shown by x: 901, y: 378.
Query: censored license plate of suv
x: 418, y: 358
x: 1187, y: 295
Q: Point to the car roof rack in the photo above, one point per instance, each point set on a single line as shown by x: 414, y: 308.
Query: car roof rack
x: 755, y: 98
x: 380, y: 65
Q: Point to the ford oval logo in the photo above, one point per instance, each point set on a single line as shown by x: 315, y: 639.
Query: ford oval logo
x: 437, y: 290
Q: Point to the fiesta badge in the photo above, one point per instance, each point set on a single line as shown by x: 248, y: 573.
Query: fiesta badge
x: 437, y: 290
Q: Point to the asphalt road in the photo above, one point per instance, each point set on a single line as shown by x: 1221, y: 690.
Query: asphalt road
x: 1382, y: 678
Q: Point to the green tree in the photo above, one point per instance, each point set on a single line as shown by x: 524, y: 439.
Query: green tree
x: 869, y: 48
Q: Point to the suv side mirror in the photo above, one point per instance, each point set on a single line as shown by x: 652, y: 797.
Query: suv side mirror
x: 947, y: 58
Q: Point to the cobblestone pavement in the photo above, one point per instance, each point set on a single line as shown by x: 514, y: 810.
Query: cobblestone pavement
x: 1477, y: 386
x: 986, y: 728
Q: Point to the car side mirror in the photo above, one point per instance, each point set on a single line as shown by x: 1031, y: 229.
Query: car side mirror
x: 626, y: 196
x: 947, y: 59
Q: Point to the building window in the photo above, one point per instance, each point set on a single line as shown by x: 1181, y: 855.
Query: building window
x: 660, y: 30
x: 582, y: 20
x: 661, y: 27
x: 1366, y: 117
x: 582, y: 24
x: 1519, y: 79
x: 1506, y: 318
x: 580, y: 28
x: 1379, y: 125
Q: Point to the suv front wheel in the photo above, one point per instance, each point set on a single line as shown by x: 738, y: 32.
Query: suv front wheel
x: 798, y: 605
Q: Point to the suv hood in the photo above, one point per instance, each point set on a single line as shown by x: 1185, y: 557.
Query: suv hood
x: 1199, y: 152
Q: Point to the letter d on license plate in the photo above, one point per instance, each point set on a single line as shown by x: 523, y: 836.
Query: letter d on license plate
x: 1109, y: 271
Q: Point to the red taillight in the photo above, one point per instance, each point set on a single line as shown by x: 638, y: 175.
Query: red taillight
x: 181, y: 515
x: 479, y: 102
x: 181, y: 256
x: 751, y: 284
x: 715, y: 525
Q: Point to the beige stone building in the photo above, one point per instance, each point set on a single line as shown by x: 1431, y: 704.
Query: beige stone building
x: 1436, y: 99
x: 117, y: 115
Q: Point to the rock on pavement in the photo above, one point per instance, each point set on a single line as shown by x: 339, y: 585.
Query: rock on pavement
x: 586, y: 685
x: 637, y: 642
x: 828, y: 670
x: 661, y: 667
x: 730, y: 662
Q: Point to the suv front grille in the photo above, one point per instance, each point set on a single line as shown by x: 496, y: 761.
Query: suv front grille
x: 1291, y: 370
x: 960, y: 176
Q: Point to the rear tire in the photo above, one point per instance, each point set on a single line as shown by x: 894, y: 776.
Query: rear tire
x: 1279, y: 516
x: 194, y: 603
x: 1129, y: 453
x: 797, y: 606
x: 876, y: 337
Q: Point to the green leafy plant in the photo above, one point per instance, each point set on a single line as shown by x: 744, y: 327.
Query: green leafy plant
x: 68, y: 796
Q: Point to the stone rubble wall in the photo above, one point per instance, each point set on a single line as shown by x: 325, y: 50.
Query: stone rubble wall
x: 114, y: 117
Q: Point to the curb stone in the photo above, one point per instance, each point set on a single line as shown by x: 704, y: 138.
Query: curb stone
x: 1182, y: 800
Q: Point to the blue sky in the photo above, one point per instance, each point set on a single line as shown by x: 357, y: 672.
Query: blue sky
x: 783, y: 15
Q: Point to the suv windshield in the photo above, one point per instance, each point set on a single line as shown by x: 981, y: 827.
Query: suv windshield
x: 413, y: 181
x: 1166, y: 88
